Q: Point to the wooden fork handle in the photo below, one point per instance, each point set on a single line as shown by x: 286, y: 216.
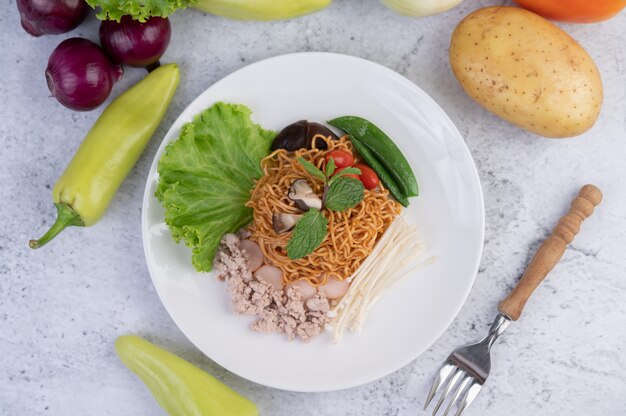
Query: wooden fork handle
x: 551, y: 251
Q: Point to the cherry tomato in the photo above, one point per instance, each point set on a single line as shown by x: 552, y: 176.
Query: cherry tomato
x: 368, y: 176
x: 341, y: 157
x: 582, y: 11
x: 351, y: 175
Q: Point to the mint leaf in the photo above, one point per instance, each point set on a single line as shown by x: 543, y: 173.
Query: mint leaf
x: 312, y: 169
x: 343, y: 193
x: 308, y: 234
x: 345, y: 171
x: 330, y: 167
x: 350, y: 171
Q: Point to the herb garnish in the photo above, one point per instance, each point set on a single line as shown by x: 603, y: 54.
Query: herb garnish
x: 343, y: 193
x: 340, y: 194
x: 308, y: 234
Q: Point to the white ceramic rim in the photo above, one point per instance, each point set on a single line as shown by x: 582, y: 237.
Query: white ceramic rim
x: 475, y: 180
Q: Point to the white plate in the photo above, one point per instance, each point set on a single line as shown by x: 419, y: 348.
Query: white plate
x: 449, y: 212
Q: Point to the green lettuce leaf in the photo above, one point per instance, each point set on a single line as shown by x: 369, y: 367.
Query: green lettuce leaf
x: 206, y: 175
x: 138, y: 9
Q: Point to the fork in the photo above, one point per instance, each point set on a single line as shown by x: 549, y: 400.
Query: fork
x: 464, y: 373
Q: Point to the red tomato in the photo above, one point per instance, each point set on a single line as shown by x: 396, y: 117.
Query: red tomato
x: 351, y: 175
x: 368, y: 176
x: 341, y: 157
x: 581, y: 11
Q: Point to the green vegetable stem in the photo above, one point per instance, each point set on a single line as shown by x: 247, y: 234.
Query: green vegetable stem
x: 109, y: 151
x: 179, y: 387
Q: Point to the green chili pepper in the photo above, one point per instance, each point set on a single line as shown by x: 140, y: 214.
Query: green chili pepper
x: 179, y: 387
x: 109, y: 151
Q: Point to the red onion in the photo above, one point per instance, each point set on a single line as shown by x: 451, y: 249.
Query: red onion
x: 133, y: 43
x: 80, y: 75
x: 41, y: 17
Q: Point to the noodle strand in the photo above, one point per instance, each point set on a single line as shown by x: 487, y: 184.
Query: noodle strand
x: 352, y: 234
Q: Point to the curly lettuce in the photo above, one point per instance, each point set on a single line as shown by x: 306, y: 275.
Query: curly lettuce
x: 137, y: 9
x: 206, y: 175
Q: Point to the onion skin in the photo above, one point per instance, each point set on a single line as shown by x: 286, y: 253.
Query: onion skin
x: 49, y: 17
x: 130, y: 42
x: 80, y: 75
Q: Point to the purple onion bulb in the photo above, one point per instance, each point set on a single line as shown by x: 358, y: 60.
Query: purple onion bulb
x: 42, y: 17
x: 80, y: 75
x: 133, y: 43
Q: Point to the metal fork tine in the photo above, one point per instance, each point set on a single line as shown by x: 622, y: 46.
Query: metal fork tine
x: 462, y: 387
x: 442, y: 376
x: 470, y: 395
x: 470, y: 368
x: 457, y: 374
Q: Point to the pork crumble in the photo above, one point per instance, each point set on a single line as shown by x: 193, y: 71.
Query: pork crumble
x: 282, y: 311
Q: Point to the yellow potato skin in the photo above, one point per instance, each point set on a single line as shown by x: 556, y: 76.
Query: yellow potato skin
x: 526, y: 70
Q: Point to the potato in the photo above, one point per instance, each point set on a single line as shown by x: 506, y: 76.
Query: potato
x: 527, y: 71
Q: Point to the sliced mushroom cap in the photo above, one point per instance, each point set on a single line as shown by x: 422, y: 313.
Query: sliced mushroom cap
x: 302, y: 194
x: 283, y: 222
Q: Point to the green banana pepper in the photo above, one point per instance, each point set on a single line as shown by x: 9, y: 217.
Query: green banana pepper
x: 109, y: 151
x: 260, y: 9
x: 179, y: 387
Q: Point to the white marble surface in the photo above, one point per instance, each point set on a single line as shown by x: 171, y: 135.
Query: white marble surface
x: 62, y: 307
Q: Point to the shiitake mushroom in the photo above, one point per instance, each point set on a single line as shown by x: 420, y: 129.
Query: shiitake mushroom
x: 299, y: 135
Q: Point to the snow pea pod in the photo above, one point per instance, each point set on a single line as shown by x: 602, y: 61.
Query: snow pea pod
x: 383, y: 173
x: 385, y: 150
x: 109, y: 151
x: 179, y: 387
